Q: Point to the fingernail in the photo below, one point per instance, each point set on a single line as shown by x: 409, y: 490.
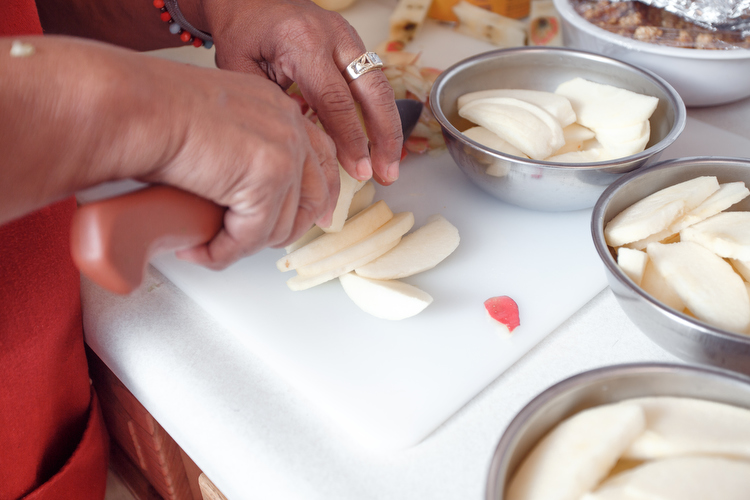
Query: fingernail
x: 392, y: 171
x: 364, y: 169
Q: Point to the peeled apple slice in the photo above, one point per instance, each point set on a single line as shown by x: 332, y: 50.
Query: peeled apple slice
x: 418, y: 251
x: 726, y: 234
x: 575, y: 137
x: 575, y: 157
x: 727, y: 195
x: 599, y: 105
x: 357, y: 228
x: 527, y: 127
x: 684, y: 478
x: 616, y: 148
x: 361, y: 199
x: 386, y: 299
x: 658, y: 211
x: 348, y: 186
x: 705, y: 282
x: 577, y: 454
x: 357, y: 255
x: 556, y: 105
x: 628, y: 133
x: 655, y: 285
x: 493, y: 141
x: 687, y: 426
x: 633, y: 263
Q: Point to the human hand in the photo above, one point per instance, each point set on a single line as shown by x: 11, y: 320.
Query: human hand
x: 235, y: 139
x: 297, y: 41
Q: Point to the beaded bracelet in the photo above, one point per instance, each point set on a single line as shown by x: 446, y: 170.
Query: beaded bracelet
x: 178, y: 25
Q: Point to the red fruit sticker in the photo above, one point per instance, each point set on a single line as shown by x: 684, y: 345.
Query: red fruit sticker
x: 504, y: 310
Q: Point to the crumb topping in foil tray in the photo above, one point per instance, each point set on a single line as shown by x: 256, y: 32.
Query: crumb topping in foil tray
x: 692, y: 24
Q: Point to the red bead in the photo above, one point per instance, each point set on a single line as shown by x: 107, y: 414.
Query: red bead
x: 185, y: 36
x: 165, y: 16
x: 159, y: 4
x: 197, y: 42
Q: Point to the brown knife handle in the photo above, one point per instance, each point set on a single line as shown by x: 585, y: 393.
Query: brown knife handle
x: 112, y: 240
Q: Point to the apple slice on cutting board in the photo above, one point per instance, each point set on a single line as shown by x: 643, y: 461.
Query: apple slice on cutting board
x: 577, y: 454
x: 359, y: 254
x: 356, y: 229
x: 361, y: 200
x: 348, y: 186
x: 417, y: 252
x: 385, y: 299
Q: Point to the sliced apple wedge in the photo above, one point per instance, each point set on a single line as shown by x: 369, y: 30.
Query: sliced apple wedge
x: 357, y: 255
x: 655, y: 285
x: 386, y: 299
x: 617, y: 147
x: 493, y: 141
x: 356, y: 229
x: 726, y: 234
x: 599, y: 105
x: 658, y: 211
x: 311, y: 234
x: 577, y: 454
x: 303, y: 282
x: 528, y: 127
x: 575, y: 136
x: 687, y: 426
x: 683, y: 478
x: 705, y: 282
x: 361, y: 199
x: 348, y: 186
x: 418, y: 251
x: 554, y: 104
x: 633, y: 263
x: 742, y: 267
x: 727, y: 195
x: 584, y: 156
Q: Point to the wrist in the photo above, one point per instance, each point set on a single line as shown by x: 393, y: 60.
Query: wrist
x: 195, y: 15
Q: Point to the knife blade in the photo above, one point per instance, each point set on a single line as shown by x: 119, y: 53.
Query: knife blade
x: 113, y: 240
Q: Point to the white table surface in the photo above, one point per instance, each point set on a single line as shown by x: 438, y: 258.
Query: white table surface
x: 255, y: 438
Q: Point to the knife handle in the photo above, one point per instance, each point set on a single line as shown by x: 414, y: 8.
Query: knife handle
x: 113, y: 240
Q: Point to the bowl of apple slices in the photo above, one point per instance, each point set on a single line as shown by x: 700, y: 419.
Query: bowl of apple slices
x: 675, y: 242
x: 550, y: 128
x: 626, y: 432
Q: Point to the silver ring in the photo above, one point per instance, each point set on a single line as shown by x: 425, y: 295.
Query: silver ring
x: 369, y: 61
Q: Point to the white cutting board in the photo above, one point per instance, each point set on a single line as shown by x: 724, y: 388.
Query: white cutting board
x: 390, y: 384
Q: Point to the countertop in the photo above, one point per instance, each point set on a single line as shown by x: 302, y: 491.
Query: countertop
x: 255, y: 437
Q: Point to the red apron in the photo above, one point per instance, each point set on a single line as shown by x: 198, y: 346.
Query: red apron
x: 53, y: 444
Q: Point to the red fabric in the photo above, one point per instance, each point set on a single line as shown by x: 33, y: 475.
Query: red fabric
x: 53, y: 444
x: 45, y: 393
x: 19, y: 17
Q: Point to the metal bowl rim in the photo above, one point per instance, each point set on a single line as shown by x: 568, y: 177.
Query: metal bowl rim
x: 569, y: 14
x: 511, y: 433
x: 675, y: 102
x: 597, y: 233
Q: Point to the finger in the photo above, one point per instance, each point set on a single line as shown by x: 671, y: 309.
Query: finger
x: 328, y: 165
x: 376, y: 98
x: 325, y: 89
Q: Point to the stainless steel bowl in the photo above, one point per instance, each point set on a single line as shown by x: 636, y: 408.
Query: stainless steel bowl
x: 542, y: 185
x: 702, y: 77
x: 682, y: 335
x: 603, y: 386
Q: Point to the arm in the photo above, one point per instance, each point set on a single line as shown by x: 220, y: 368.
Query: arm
x: 283, y: 40
x: 79, y: 113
